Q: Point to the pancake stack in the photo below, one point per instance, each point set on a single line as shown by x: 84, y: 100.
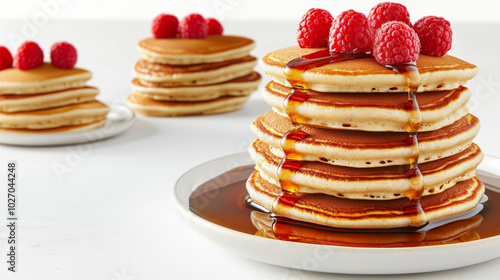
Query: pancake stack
x: 178, y: 76
x: 49, y: 99
x: 335, y: 149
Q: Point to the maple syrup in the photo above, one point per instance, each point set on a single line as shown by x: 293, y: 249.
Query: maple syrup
x: 222, y: 201
x: 297, y: 96
x: 227, y: 208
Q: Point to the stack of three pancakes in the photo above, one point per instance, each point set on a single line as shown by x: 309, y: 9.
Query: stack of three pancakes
x: 49, y: 99
x: 178, y: 76
x: 338, y: 153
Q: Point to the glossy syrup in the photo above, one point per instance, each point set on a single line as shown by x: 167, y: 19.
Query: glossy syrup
x: 416, y: 190
x: 226, y: 207
x: 222, y: 201
x: 297, y: 96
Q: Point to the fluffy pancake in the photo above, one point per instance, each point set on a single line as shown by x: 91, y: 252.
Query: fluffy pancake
x: 454, y: 232
x: 241, y: 86
x: 197, y: 74
x: 347, y: 213
x: 371, y: 111
x: 366, y: 75
x: 177, y: 51
x: 366, y: 149
x: 74, y: 114
x: 69, y: 128
x: 31, y: 102
x: 157, y: 108
x: 42, y: 79
x: 379, y: 183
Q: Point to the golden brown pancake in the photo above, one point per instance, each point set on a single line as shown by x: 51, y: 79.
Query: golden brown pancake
x: 156, y: 108
x: 42, y: 79
x: 349, y: 213
x: 379, y: 183
x: 196, y: 74
x: 371, y: 111
x: 454, y: 232
x: 69, y: 128
x: 30, y: 102
x: 366, y: 75
x: 74, y: 114
x: 362, y: 148
x: 236, y: 87
x: 177, y: 51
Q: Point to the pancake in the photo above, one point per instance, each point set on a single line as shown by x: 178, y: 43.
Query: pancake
x: 197, y: 74
x: 42, y: 79
x: 157, y: 108
x: 379, y: 183
x: 74, y: 114
x: 347, y: 213
x: 31, y: 102
x: 454, y: 232
x: 371, y: 111
x: 365, y: 149
x: 70, y: 128
x: 366, y: 75
x: 177, y: 51
x: 241, y: 86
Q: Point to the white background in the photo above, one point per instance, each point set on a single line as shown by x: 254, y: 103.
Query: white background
x: 486, y: 10
x: 111, y: 217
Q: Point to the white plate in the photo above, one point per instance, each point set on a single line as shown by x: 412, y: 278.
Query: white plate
x: 118, y: 120
x: 324, y: 258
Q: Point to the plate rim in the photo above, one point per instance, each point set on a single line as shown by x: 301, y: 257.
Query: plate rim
x: 190, y: 217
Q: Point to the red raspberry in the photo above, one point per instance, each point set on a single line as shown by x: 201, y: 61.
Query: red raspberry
x: 350, y: 33
x: 388, y: 11
x: 5, y: 58
x: 435, y: 35
x: 29, y: 55
x: 63, y: 55
x: 395, y: 43
x: 214, y: 27
x: 314, y: 29
x: 193, y: 26
x: 164, y: 26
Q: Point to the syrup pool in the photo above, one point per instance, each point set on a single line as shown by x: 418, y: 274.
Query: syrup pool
x: 222, y: 201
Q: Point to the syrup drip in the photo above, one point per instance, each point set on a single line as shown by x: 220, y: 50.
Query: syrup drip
x: 414, y: 193
x: 292, y: 159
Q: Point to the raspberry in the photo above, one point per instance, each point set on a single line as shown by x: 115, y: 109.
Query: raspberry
x: 63, y: 55
x: 395, y: 43
x: 164, y: 26
x: 193, y: 26
x: 350, y: 33
x: 435, y: 35
x: 314, y: 29
x: 388, y: 11
x: 214, y: 27
x: 5, y: 58
x: 29, y: 55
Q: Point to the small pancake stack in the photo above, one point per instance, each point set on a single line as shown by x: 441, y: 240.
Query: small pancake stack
x: 47, y: 98
x: 192, y: 76
x: 340, y: 148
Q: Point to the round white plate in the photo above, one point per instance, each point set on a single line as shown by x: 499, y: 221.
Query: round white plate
x: 118, y: 120
x: 324, y: 258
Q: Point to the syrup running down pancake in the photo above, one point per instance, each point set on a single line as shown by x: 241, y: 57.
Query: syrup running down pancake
x: 350, y: 143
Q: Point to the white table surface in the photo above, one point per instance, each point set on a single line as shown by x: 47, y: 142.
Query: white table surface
x: 112, y: 217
